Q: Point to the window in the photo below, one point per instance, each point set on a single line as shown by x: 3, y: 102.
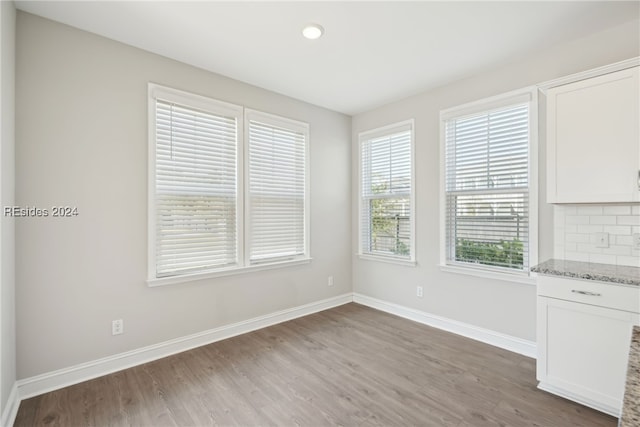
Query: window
x: 489, y: 197
x: 204, y: 168
x: 276, y: 200
x: 386, y: 193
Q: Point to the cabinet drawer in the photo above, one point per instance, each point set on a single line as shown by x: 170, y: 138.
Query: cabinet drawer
x: 620, y: 297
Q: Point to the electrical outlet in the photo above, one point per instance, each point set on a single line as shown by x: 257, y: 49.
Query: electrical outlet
x: 636, y: 241
x: 330, y: 281
x: 117, y: 327
x: 419, y: 291
x: 601, y: 240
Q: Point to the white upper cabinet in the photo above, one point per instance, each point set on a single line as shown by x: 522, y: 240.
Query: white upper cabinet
x: 593, y: 140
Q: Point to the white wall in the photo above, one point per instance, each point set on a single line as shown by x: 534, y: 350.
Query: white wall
x: 7, y: 185
x: 81, y: 135
x: 500, y: 306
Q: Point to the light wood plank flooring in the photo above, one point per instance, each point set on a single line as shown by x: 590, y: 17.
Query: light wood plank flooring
x: 350, y: 366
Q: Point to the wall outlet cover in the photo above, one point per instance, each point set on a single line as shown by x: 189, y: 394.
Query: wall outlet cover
x: 117, y: 327
x: 601, y: 240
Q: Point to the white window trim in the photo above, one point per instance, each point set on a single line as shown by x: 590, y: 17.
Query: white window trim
x: 218, y: 107
x: 370, y: 134
x: 225, y: 272
x: 388, y: 259
x: 530, y: 95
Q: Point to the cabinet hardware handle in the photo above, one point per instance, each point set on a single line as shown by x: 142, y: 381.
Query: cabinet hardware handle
x: 591, y: 294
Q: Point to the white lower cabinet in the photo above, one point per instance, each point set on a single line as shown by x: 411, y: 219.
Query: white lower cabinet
x: 584, y: 332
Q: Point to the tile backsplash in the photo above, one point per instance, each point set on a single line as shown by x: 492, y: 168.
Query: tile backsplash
x: 578, y: 228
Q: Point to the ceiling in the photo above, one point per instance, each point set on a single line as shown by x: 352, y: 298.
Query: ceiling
x: 372, y: 53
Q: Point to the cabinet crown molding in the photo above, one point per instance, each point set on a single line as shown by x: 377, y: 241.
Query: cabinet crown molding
x: 594, y: 72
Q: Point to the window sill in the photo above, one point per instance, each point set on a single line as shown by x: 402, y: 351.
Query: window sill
x: 489, y: 274
x: 388, y: 260
x: 226, y: 272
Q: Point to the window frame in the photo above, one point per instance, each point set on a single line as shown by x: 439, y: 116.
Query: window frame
x: 240, y: 113
x: 289, y: 124
x: 526, y: 95
x: 364, y: 136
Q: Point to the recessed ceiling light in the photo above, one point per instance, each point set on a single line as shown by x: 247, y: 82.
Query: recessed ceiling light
x: 313, y: 31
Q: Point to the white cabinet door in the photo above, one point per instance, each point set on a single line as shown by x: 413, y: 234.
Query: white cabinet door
x: 593, y: 140
x: 583, y: 352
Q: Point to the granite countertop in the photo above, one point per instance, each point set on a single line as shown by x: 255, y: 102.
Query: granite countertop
x: 590, y: 271
x: 631, y: 406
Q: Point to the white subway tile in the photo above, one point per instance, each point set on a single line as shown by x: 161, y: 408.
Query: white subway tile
x: 558, y: 251
x: 628, y: 260
x: 629, y: 220
x: 635, y: 229
x: 573, y: 247
x: 602, y: 259
x: 616, y: 210
x: 589, y: 210
x: 576, y: 256
x: 588, y: 229
x: 617, y: 250
x: 589, y: 248
x: 570, y: 228
x: 617, y: 229
x: 604, y: 219
x: 622, y: 240
x: 576, y: 219
x: 558, y: 237
x: 568, y: 210
x: 635, y: 210
x: 576, y: 238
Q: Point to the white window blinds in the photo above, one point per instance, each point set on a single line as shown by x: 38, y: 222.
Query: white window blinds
x: 196, y: 203
x: 386, y: 205
x: 228, y: 188
x: 277, y: 188
x: 487, y: 188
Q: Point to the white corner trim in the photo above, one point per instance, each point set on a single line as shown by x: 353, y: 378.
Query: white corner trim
x: 497, y: 339
x: 11, y: 408
x: 54, y: 380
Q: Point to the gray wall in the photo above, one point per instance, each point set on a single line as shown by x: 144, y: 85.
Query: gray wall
x: 81, y: 135
x: 501, y: 306
x: 7, y: 233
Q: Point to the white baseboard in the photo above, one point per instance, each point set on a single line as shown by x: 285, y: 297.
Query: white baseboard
x: 55, y: 380
x: 49, y: 381
x: 595, y: 404
x: 497, y: 339
x: 11, y: 408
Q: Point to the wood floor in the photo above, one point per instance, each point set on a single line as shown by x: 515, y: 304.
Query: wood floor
x: 350, y: 366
